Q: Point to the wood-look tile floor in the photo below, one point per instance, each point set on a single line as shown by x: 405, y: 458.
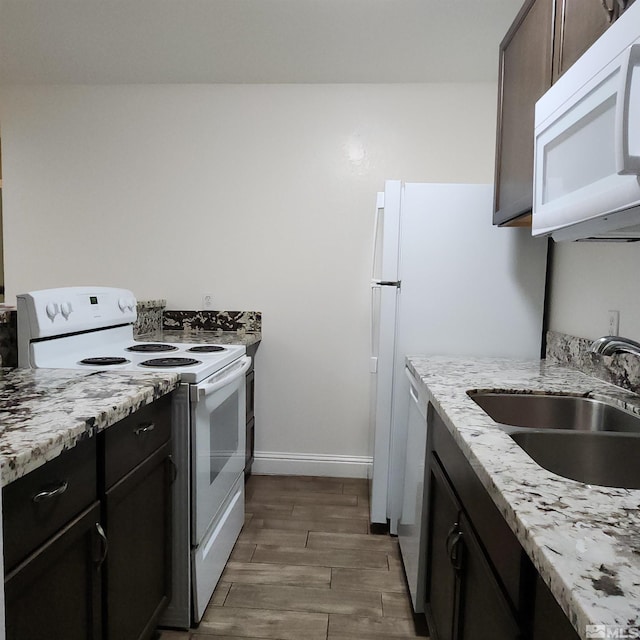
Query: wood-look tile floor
x: 306, y: 568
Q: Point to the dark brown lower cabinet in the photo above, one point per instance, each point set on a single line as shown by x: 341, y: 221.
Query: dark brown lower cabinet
x: 484, y: 611
x: 137, y: 517
x: 55, y: 594
x: 481, y: 585
x: 444, y: 579
x: 87, y: 536
x: 464, y: 601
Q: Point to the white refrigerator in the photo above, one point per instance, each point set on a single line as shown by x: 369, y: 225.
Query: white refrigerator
x: 445, y: 281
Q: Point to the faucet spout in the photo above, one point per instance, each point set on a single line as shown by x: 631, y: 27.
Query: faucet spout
x: 608, y: 345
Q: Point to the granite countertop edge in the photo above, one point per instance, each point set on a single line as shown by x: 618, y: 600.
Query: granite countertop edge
x: 584, y: 540
x: 43, y: 412
x: 46, y: 411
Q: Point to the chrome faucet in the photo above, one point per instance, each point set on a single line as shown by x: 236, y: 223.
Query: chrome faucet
x: 608, y: 345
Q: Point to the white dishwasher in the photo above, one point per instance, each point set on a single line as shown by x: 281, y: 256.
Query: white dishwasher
x: 411, y: 528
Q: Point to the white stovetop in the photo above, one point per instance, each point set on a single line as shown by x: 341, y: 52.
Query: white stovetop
x: 67, y: 353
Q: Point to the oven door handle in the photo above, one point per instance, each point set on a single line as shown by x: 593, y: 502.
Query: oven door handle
x: 218, y: 383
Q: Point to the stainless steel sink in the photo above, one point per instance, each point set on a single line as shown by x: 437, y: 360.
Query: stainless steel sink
x: 575, y: 437
x: 575, y: 413
x: 610, y: 460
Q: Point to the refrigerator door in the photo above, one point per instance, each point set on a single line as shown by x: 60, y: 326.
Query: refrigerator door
x: 384, y: 295
x: 468, y: 289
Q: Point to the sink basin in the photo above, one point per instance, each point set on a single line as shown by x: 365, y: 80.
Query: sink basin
x: 575, y: 413
x: 610, y: 460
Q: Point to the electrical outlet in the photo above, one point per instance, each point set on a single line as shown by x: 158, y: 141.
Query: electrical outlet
x: 207, y: 301
x: 614, y: 323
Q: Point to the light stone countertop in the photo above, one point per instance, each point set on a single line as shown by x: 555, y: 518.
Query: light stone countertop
x: 583, y: 539
x: 199, y: 336
x: 45, y: 411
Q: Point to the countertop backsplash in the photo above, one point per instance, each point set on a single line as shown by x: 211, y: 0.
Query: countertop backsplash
x: 154, y: 318
x: 621, y: 369
x: 241, y: 321
x: 149, y: 316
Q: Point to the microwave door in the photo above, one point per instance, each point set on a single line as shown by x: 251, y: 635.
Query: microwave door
x: 586, y: 154
x: 565, y: 165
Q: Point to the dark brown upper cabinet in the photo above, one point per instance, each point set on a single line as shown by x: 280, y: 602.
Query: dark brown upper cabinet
x: 579, y: 23
x: 545, y: 39
x: 526, y: 56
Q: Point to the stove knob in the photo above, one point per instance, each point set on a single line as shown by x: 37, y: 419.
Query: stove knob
x: 52, y: 310
x: 66, y: 309
x: 122, y: 303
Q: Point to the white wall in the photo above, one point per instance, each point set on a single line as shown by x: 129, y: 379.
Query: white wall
x: 262, y: 195
x: 589, y: 279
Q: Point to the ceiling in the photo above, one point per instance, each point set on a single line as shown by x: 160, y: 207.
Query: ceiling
x: 251, y: 41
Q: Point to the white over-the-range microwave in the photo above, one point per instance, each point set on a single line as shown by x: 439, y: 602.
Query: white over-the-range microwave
x: 587, y: 142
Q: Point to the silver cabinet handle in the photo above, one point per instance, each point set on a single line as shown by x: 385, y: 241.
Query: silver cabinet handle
x: 610, y: 12
x: 450, y: 534
x: 52, y: 493
x: 174, y: 469
x: 105, y: 545
x: 386, y: 283
x: 454, y: 553
x: 144, y: 428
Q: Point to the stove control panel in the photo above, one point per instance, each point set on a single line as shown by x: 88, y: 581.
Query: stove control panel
x: 53, y: 312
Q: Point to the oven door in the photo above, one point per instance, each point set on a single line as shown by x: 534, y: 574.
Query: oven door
x: 218, y: 442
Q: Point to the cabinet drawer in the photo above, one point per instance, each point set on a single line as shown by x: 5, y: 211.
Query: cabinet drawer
x: 42, y: 502
x: 133, y: 439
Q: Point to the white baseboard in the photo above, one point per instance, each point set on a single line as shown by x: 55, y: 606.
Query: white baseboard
x: 311, y: 464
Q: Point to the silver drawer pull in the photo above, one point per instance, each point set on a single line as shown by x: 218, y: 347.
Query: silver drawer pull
x: 144, y: 428
x: 45, y: 495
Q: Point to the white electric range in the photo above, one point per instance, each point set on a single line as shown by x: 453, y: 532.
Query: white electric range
x: 92, y: 328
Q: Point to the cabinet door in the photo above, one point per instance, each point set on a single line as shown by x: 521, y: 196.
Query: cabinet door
x: 55, y: 593
x: 442, y: 577
x: 525, y: 74
x: 484, y: 612
x: 138, y: 526
x: 579, y: 23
